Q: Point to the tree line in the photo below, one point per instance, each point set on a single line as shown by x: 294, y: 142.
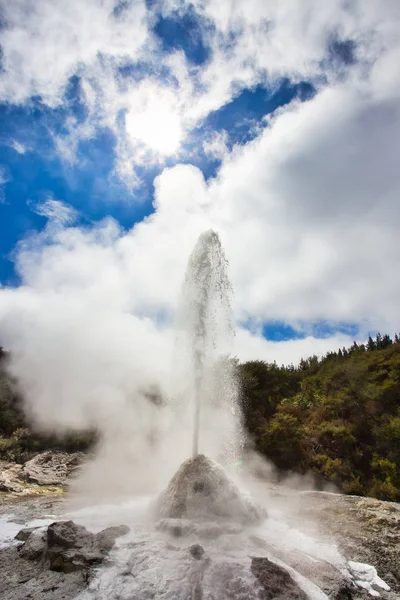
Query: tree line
x: 337, y: 416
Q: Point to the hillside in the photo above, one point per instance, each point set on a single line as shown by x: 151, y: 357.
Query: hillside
x: 338, y: 416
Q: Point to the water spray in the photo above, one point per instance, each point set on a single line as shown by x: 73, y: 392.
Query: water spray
x: 206, y: 316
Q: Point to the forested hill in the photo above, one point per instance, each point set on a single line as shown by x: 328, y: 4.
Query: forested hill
x: 338, y: 416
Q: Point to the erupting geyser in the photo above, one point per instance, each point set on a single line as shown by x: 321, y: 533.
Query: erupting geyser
x: 205, y: 339
x: 200, y: 489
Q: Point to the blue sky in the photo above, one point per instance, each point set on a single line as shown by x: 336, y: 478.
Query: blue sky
x: 272, y: 123
x: 39, y: 172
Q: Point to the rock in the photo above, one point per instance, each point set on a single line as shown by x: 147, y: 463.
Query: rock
x: 197, y: 551
x: 66, y: 534
x: 68, y: 547
x: 22, y: 579
x: 72, y: 547
x: 35, y: 545
x: 200, y: 489
x: 365, y: 530
x: 105, y: 540
x: 9, y: 477
x: 51, y: 468
x: 23, y: 534
x: 276, y: 583
x: 10, y: 486
x: 345, y: 592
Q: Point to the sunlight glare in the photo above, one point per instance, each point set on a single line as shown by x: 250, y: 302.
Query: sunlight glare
x: 157, y: 126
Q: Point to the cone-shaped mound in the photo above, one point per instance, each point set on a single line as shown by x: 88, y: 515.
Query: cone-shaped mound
x: 200, y: 490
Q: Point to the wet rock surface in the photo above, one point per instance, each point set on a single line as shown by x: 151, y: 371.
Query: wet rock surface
x: 24, y: 534
x: 68, y: 547
x: 197, y: 551
x: 366, y: 529
x: 276, y: 583
x: 23, y: 579
x: 54, y: 561
x: 202, y: 554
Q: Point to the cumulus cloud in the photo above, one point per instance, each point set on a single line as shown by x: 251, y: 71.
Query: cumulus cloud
x: 44, y: 45
x: 47, y: 42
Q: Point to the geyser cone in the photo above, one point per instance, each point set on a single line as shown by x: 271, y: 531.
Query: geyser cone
x: 200, y: 490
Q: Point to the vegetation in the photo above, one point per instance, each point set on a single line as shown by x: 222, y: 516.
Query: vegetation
x: 338, y: 416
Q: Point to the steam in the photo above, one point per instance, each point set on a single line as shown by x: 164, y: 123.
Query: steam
x: 85, y: 358
x: 89, y: 360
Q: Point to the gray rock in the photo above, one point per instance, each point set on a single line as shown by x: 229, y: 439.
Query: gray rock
x: 23, y: 534
x: 71, y: 547
x: 10, y: 486
x: 366, y: 530
x: 276, y: 583
x: 66, y: 547
x: 51, y: 468
x: 22, y: 579
x: 197, y: 551
x: 105, y: 540
x: 35, y: 545
x: 66, y: 534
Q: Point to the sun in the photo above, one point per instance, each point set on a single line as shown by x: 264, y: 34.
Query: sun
x: 155, y: 124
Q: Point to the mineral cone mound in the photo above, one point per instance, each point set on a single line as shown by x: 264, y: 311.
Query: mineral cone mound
x: 200, y: 490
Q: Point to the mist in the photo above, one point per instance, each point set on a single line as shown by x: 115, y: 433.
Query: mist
x: 91, y: 334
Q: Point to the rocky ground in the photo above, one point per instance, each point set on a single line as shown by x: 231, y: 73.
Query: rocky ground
x: 57, y: 561
x: 53, y: 562
x: 366, y: 529
x: 48, y: 472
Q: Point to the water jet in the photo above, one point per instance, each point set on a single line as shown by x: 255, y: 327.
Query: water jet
x: 200, y: 489
x: 205, y: 334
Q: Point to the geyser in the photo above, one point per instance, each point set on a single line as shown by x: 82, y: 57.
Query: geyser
x: 205, y: 339
x: 200, y: 489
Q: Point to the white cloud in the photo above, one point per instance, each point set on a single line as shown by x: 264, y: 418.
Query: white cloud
x: 254, y: 347
x: 46, y: 43
x: 57, y: 212
x: 4, y: 178
x: 3, y: 175
x: 18, y: 147
x: 216, y: 146
x: 67, y: 145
